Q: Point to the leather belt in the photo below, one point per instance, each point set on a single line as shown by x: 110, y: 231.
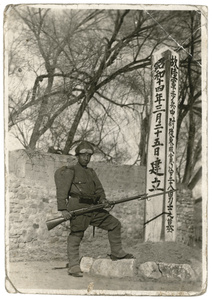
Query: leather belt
x: 86, y: 200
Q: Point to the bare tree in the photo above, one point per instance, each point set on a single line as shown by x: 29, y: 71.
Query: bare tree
x: 73, y: 75
x: 87, y: 63
x: 190, y: 94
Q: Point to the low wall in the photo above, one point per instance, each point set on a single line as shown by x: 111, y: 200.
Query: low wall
x: 186, y: 224
x: 31, y: 200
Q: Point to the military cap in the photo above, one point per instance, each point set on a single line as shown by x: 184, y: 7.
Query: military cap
x: 84, y: 147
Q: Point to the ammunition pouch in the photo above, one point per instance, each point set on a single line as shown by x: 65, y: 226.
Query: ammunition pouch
x: 87, y: 199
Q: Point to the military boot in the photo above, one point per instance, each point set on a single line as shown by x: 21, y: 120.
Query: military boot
x: 73, y: 255
x: 114, y: 237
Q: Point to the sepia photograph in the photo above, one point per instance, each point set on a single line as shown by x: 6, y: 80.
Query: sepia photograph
x: 105, y: 146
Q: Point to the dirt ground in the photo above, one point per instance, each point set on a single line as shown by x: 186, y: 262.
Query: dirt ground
x: 43, y: 277
x: 168, y: 252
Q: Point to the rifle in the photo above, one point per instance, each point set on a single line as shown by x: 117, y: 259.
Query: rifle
x: 57, y: 221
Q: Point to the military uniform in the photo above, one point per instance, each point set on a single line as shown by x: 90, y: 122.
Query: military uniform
x: 80, y: 187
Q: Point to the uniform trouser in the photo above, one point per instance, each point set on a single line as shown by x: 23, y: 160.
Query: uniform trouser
x: 101, y: 219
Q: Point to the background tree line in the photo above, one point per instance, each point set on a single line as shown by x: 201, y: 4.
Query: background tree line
x: 86, y: 74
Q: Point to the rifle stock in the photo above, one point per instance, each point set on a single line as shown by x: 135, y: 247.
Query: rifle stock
x: 57, y: 221
x: 54, y: 222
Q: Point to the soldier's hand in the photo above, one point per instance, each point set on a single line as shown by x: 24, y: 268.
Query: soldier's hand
x: 106, y: 203
x: 66, y: 215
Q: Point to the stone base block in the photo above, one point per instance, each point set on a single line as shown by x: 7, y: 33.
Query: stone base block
x: 182, y: 272
x: 149, y: 270
x: 86, y: 264
x: 108, y: 268
x: 177, y: 271
x: 169, y: 271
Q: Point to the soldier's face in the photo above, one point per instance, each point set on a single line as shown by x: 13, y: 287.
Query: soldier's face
x: 84, y: 159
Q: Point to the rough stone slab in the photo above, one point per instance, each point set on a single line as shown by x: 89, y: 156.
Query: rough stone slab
x: 177, y: 271
x: 86, y: 264
x: 108, y: 268
x: 149, y: 270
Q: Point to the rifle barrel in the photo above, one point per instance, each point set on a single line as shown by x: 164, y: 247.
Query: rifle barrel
x: 128, y: 199
x: 141, y: 197
x: 54, y: 222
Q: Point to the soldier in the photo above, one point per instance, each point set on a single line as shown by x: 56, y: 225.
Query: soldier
x: 79, y: 187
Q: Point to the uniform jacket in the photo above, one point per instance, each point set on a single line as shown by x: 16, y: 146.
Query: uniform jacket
x: 76, y: 181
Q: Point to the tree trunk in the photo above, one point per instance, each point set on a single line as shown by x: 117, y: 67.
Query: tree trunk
x: 191, y: 131
x: 75, y: 124
x: 42, y: 112
x: 190, y: 147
